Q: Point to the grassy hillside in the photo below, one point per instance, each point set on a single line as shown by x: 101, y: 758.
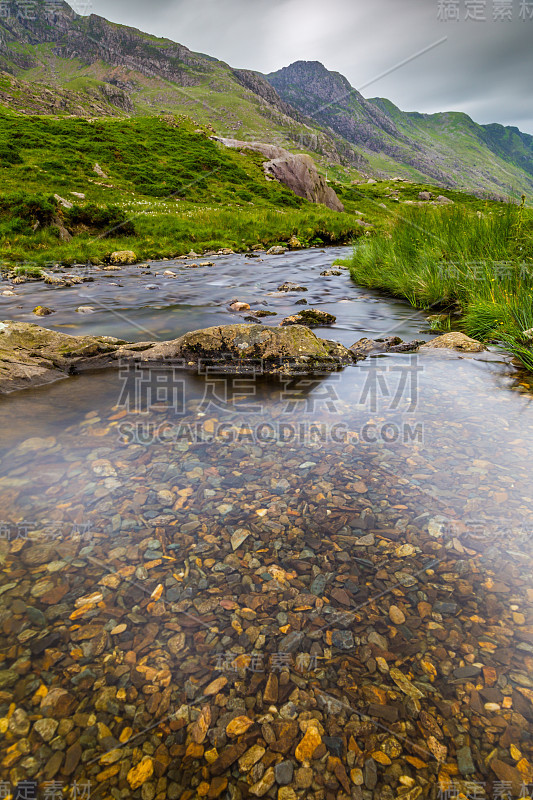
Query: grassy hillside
x: 461, y: 147
x: 151, y: 156
x: 164, y: 187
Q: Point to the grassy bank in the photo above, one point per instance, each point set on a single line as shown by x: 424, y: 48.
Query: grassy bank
x: 160, y: 186
x: 158, y: 233
x: 477, y: 266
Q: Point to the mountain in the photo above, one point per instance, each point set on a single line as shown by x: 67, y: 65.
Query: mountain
x: 64, y: 64
x: 448, y: 148
x: 140, y: 74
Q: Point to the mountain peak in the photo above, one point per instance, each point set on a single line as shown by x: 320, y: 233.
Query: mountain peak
x: 310, y: 74
x: 308, y: 65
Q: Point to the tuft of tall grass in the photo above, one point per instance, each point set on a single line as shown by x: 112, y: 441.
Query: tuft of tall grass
x: 477, y: 264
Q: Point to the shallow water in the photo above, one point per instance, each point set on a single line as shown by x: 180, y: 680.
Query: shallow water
x: 124, y: 307
x: 353, y: 549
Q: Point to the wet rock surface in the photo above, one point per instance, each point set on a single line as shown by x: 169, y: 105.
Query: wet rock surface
x: 290, y: 286
x: 31, y: 356
x: 390, y: 344
x: 275, y: 349
x: 311, y: 317
x: 121, y: 257
x: 456, y: 341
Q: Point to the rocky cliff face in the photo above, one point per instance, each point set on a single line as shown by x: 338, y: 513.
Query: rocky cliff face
x: 34, y: 98
x: 328, y: 98
x: 93, y: 38
x: 260, y: 86
x: 115, y: 96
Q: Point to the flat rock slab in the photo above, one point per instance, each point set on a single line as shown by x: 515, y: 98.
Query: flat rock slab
x: 34, y: 356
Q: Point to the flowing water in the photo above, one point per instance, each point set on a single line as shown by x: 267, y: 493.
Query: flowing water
x: 219, y: 586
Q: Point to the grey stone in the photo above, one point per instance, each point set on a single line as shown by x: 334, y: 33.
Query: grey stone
x: 370, y: 773
x: 462, y: 673
x: 342, y: 639
x: 33, y: 356
x: 284, y: 773
x: 37, y: 617
x: 318, y: 585
x: 291, y: 642
x: 465, y: 761
x: 445, y: 608
x: 298, y: 172
x: 334, y: 745
x: 455, y: 341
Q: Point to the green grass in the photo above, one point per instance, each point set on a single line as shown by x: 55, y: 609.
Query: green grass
x: 478, y: 265
x: 153, y: 157
x: 199, y: 228
x: 28, y: 272
x: 169, y: 188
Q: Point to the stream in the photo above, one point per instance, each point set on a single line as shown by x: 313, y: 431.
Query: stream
x: 217, y: 587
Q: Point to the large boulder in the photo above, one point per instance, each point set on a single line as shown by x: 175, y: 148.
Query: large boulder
x: 34, y: 356
x: 300, y: 174
x: 297, y: 172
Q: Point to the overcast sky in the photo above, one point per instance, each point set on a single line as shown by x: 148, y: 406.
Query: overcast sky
x: 484, y: 67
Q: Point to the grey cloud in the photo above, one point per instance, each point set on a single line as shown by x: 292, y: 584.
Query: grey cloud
x: 483, y: 69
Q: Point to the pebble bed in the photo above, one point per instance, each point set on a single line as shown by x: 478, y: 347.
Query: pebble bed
x: 238, y: 618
